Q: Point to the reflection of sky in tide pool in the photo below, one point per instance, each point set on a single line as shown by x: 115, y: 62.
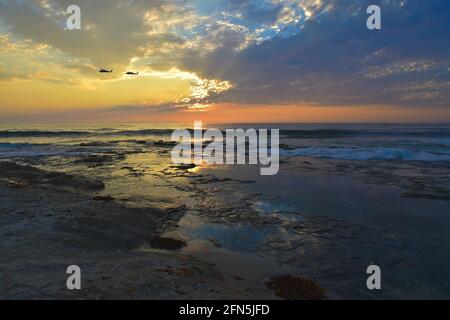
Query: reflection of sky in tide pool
x: 239, y: 237
x: 280, y: 211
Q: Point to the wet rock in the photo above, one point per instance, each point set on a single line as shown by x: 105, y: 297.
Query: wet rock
x: 284, y: 146
x: 120, y: 230
x: 162, y: 143
x: 16, y: 183
x: 70, y: 181
x: 215, y: 242
x: 95, y: 144
x: 429, y: 196
x: 103, y: 198
x: 32, y: 176
x: 185, y: 166
x: 295, y: 288
x: 99, y: 158
x: 247, y: 181
x: 166, y: 243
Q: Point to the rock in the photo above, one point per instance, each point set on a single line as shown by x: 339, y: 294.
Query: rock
x: 284, y: 146
x: 185, y: 166
x: 162, y: 143
x: 215, y: 242
x: 103, y: 198
x: 95, y: 158
x: 295, y: 288
x: 16, y: 183
x: 69, y: 181
x: 31, y: 176
x: 166, y: 243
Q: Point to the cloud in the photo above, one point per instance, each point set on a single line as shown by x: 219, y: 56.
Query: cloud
x: 310, y: 52
x: 110, y: 36
x: 335, y: 59
x: 115, y: 31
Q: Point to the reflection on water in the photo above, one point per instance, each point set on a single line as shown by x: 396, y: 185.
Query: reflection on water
x: 280, y: 211
x: 239, y: 237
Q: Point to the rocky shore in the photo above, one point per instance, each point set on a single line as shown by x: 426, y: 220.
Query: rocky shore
x: 142, y: 228
x: 51, y: 220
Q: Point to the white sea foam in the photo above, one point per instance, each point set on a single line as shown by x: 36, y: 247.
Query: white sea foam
x: 26, y: 150
x: 367, y: 154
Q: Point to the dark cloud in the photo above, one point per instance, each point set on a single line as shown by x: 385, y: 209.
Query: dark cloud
x: 336, y: 60
x: 254, y: 11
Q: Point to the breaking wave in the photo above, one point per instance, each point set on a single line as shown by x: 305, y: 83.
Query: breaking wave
x: 349, y: 133
x: 28, y: 150
x: 367, y: 154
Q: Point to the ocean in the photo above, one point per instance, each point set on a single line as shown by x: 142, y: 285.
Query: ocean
x: 407, y: 142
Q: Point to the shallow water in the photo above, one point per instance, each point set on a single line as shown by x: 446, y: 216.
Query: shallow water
x: 236, y: 237
x: 413, y: 251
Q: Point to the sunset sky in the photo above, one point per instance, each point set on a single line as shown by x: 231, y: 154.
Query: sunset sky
x: 225, y: 61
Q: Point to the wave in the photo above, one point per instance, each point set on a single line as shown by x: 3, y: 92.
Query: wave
x: 12, y: 145
x: 443, y: 133
x: 102, y: 132
x: 367, y: 154
x: 347, y: 133
x: 38, y: 133
x: 317, y: 134
x: 28, y: 150
x: 145, y: 132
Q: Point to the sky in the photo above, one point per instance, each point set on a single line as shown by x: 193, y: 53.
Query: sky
x: 225, y: 61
